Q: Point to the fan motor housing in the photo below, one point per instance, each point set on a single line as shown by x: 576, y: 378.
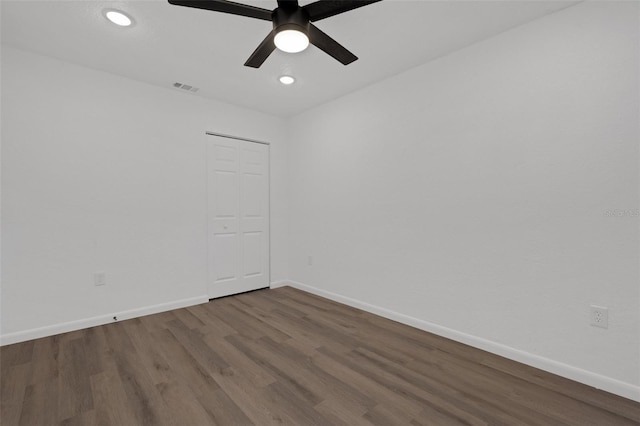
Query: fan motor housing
x: 296, y: 19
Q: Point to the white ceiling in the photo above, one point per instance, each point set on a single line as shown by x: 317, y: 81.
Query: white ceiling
x: 206, y: 49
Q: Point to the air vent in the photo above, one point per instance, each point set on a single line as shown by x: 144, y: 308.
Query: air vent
x: 185, y: 87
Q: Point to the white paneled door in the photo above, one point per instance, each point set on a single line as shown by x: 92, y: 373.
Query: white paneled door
x: 238, y: 215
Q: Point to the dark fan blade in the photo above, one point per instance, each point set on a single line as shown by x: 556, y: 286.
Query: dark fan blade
x: 226, y: 7
x: 263, y: 51
x: 330, y: 46
x: 326, y: 8
x: 288, y: 4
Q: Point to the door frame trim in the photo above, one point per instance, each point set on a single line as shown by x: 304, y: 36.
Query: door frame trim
x: 222, y: 135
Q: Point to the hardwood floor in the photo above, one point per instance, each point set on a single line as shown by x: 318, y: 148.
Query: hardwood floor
x: 282, y: 357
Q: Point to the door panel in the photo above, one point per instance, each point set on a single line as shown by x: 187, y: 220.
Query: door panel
x: 226, y: 194
x: 254, y: 213
x: 252, y: 254
x: 252, y: 197
x: 238, y: 216
x: 225, y: 249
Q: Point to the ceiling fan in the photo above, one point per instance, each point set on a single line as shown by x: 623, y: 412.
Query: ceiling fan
x: 292, y: 28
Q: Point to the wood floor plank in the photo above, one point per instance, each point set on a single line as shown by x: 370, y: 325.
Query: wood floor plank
x: 12, y: 355
x: 338, y: 412
x: 282, y: 319
x: 212, y: 324
x: 559, y: 385
x: 316, y: 378
x: 39, y: 408
x: 12, y: 392
x: 491, y: 385
x: 468, y: 382
x: 197, y: 348
x: 272, y: 300
x: 322, y: 334
x: 432, y: 416
x: 459, y: 409
x: 144, y: 398
x: 289, y: 402
x: 186, y: 366
x: 182, y: 403
x: 223, y: 410
x: 74, y: 387
x: 147, y: 348
x: 88, y: 418
x: 188, y: 319
x: 97, y: 350
x: 290, y: 378
x: 45, y: 359
x: 240, y: 361
x: 282, y: 357
x: 227, y: 311
x: 381, y: 415
x: 110, y: 397
x: 252, y: 400
x: 490, y: 411
x: 117, y: 338
x: 157, y: 322
x: 259, y: 323
x: 336, y: 365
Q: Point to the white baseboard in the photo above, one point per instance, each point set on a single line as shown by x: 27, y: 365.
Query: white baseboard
x: 598, y: 381
x: 276, y: 284
x: 35, y: 333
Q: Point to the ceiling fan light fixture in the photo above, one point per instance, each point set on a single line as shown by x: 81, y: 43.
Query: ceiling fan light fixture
x: 291, y: 41
x: 293, y: 27
x: 119, y: 18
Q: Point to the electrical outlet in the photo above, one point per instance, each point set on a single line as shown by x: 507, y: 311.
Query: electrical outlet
x: 310, y: 261
x: 599, y: 316
x: 99, y: 278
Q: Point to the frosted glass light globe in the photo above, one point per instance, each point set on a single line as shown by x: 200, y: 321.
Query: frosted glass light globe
x: 291, y: 41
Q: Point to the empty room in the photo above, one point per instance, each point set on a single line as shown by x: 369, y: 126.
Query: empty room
x: 299, y: 212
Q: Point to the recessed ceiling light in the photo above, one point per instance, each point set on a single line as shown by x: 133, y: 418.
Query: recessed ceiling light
x: 118, y: 18
x: 287, y: 80
x: 291, y: 41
